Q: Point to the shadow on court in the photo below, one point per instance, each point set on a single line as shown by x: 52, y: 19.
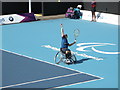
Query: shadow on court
x: 80, y: 61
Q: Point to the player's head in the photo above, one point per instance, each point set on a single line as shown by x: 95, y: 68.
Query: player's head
x: 71, y: 8
x: 65, y: 36
x: 79, y: 6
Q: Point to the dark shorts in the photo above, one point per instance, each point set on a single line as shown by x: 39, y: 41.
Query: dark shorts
x: 93, y: 10
x: 63, y: 50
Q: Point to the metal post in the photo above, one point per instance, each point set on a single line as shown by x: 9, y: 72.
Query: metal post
x: 29, y: 6
x: 42, y: 8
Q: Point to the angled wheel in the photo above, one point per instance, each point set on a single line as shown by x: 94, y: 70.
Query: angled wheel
x: 58, y: 58
x: 73, y: 58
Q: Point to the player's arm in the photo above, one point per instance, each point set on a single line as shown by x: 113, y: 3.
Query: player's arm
x: 62, y: 31
x: 72, y: 43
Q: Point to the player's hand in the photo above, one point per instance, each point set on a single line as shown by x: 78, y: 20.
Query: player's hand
x: 75, y: 41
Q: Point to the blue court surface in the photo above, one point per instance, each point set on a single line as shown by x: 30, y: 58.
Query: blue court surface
x: 28, y: 51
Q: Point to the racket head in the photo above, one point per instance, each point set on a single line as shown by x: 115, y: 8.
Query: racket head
x: 76, y: 33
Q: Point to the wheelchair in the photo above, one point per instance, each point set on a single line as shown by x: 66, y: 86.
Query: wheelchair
x: 61, y: 57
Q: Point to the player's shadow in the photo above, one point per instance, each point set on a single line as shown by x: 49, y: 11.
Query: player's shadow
x: 82, y: 60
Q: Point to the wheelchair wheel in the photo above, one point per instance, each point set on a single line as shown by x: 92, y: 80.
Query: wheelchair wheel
x: 73, y: 58
x: 58, y: 58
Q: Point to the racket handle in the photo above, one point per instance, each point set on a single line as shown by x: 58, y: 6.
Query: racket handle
x: 61, y: 25
x: 75, y: 40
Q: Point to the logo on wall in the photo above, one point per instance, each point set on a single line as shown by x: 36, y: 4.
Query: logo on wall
x: 11, y: 18
x: 2, y: 20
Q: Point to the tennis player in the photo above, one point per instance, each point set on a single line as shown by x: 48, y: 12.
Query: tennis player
x: 65, y: 44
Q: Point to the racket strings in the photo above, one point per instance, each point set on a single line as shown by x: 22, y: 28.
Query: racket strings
x: 76, y: 32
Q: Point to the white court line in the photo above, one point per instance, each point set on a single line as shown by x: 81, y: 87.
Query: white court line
x: 40, y: 80
x: 83, y: 55
x: 76, y: 83
x: 50, y: 63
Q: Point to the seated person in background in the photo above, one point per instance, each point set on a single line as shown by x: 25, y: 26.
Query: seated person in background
x: 69, y: 13
x: 77, y: 13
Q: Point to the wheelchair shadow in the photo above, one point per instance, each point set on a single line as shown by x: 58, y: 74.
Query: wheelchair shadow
x: 82, y: 60
x: 79, y: 61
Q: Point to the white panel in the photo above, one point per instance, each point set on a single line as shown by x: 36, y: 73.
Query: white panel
x: 9, y: 19
x: 102, y: 17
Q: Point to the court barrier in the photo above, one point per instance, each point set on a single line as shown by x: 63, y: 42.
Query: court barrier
x: 101, y: 17
x: 17, y: 18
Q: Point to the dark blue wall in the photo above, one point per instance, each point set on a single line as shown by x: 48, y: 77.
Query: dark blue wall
x: 54, y: 8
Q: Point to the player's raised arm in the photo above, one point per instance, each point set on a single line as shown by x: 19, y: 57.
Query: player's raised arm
x: 62, y: 31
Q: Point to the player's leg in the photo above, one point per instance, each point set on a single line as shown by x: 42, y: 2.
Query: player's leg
x: 63, y: 50
x: 94, y: 16
x: 68, y: 53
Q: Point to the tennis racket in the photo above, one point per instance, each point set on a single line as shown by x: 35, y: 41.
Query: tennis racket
x: 76, y: 33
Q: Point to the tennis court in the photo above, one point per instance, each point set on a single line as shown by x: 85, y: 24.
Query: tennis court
x: 28, y: 51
